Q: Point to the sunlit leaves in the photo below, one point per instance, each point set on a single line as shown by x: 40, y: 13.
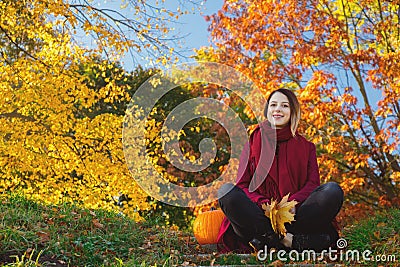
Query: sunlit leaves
x: 339, y: 56
x: 62, y: 105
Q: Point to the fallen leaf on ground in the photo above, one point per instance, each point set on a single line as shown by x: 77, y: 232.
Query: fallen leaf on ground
x: 97, y: 224
x: 44, y: 236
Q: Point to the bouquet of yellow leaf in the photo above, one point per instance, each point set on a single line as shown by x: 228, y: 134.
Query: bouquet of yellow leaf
x: 279, y: 213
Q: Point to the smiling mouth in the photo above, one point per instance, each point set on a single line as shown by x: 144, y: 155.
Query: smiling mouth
x: 277, y: 116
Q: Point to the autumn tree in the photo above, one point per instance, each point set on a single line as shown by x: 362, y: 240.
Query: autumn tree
x: 194, y: 130
x: 341, y: 57
x: 60, y: 111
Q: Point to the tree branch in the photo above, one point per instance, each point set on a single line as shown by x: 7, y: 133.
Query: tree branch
x: 21, y: 48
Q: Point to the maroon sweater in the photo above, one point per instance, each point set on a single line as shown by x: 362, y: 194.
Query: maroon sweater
x: 294, y: 170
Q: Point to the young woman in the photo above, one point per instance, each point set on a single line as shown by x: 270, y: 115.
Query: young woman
x: 278, y: 161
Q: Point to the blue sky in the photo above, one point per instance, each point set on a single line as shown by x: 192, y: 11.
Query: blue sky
x: 194, y: 27
x: 191, y: 27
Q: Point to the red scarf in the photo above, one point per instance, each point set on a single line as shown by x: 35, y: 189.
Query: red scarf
x: 280, y: 161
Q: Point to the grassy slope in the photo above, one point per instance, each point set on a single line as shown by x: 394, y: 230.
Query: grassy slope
x: 68, y: 236
x: 379, y: 234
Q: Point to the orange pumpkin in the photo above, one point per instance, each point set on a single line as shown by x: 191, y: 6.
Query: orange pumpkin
x: 206, y: 226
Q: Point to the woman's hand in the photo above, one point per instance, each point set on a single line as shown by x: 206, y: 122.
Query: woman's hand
x: 293, y: 210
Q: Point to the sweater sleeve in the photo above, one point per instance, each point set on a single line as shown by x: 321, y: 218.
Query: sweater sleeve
x: 245, y: 174
x: 313, y: 179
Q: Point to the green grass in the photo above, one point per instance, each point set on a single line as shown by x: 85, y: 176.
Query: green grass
x: 71, y: 235
x: 32, y: 234
x: 379, y: 234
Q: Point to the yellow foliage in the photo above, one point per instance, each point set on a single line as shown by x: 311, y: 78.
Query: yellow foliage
x: 53, y: 147
x: 279, y: 213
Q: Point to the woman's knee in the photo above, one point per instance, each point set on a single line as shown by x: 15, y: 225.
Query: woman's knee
x: 333, y: 191
x: 225, y: 189
x: 228, y: 194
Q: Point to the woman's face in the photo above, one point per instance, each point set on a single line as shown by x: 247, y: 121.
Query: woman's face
x: 278, y: 113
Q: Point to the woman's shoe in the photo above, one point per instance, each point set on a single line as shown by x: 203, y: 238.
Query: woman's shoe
x: 266, y: 241
x: 256, y: 244
x: 316, y: 242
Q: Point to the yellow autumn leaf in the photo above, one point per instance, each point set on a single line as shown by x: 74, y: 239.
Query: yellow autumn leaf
x: 279, y: 213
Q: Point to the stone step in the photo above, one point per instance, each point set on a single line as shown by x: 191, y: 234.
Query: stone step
x: 275, y: 265
x: 244, y: 256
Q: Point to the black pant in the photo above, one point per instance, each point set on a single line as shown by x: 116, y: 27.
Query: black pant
x: 313, y: 216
